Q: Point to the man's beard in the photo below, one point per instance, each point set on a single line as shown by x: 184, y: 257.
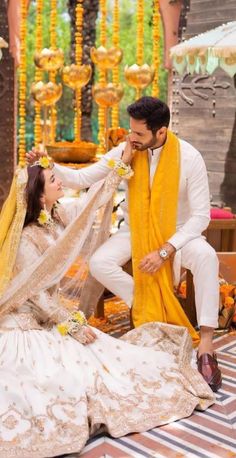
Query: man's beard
x: 144, y: 146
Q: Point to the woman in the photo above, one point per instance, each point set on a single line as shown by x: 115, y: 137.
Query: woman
x: 60, y: 379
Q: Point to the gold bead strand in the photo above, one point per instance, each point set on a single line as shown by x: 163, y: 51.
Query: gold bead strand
x: 156, y: 47
x: 115, y: 71
x: 102, y: 80
x: 22, y: 83
x: 140, y: 37
x: 52, y: 74
x: 78, y: 60
x: 38, y: 72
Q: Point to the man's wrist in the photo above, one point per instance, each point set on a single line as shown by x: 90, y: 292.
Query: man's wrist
x: 166, y: 250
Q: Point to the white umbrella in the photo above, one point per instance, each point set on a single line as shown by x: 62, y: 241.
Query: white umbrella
x: 3, y: 44
x: 207, y: 51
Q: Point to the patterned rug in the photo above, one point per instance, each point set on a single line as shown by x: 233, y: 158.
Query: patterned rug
x: 209, y: 434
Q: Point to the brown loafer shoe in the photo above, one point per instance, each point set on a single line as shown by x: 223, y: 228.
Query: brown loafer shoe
x: 208, y: 367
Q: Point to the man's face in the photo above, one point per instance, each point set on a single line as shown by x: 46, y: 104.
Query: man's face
x: 141, y: 137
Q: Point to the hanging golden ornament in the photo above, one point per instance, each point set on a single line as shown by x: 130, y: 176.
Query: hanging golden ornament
x: 102, y: 79
x: 139, y: 75
x: 22, y: 83
x: 49, y: 60
x: 107, y: 96
x: 38, y: 72
x: 105, y: 58
x: 115, y: 70
x: 156, y: 47
x: 58, y: 59
x: 78, y: 61
x: 46, y: 94
x: 76, y: 76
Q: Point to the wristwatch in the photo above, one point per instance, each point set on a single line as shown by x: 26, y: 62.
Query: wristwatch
x: 163, y: 254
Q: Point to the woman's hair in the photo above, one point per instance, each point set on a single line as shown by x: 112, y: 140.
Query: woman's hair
x: 153, y: 111
x: 33, y: 193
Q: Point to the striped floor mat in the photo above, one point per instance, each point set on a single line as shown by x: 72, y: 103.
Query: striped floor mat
x: 209, y: 434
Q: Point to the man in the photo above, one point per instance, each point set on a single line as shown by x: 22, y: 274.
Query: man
x: 166, y: 210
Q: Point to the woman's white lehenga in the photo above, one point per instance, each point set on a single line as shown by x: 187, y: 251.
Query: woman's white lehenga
x: 55, y: 392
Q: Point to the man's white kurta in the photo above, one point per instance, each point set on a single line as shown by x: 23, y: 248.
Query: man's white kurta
x: 192, y: 219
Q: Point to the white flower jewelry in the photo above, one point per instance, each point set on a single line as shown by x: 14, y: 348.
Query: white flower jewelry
x: 123, y: 170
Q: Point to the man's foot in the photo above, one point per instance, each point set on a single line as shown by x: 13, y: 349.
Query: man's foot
x: 208, y: 368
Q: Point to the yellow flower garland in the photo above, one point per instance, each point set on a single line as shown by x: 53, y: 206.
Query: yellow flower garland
x: 22, y: 83
x: 140, y: 37
x: 156, y: 47
x: 115, y: 71
x: 38, y: 72
x: 78, y: 60
x: 52, y: 75
x: 102, y: 80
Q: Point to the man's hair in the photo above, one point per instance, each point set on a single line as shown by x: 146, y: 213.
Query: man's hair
x: 153, y: 111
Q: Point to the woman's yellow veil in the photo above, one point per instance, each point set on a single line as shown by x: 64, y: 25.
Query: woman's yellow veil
x: 11, y: 224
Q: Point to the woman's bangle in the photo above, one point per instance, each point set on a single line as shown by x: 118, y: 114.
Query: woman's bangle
x: 123, y: 170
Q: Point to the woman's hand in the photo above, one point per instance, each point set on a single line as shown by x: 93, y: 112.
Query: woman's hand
x: 34, y: 155
x: 128, y: 152
x: 85, y: 335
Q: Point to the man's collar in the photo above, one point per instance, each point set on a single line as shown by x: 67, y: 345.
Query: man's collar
x: 154, y: 151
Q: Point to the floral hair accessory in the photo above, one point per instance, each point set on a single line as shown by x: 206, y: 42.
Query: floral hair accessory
x: 123, y: 170
x: 44, y: 161
x: 73, y: 324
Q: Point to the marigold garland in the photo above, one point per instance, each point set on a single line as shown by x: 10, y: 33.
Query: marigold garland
x: 102, y: 80
x: 78, y: 60
x: 115, y: 71
x: 52, y: 75
x: 156, y: 47
x: 140, y: 37
x: 22, y: 83
x: 38, y: 72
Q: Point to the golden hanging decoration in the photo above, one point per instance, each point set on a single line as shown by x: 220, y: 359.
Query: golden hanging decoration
x: 38, y: 72
x: 106, y: 59
x: 22, y: 83
x: 102, y: 79
x: 78, y: 60
x: 156, y: 47
x: 49, y: 60
x: 115, y: 70
x: 46, y: 94
x: 76, y: 76
x: 57, y: 59
x: 107, y: 96
x: 139, y: 75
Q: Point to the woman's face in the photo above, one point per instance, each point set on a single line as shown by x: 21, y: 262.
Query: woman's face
x: 52, y: 188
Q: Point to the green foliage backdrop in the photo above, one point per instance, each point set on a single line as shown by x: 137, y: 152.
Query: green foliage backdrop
x: 127, y: 43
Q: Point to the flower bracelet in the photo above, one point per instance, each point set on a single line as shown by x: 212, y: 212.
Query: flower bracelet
x: 73, y: 324
x: 123, y: 170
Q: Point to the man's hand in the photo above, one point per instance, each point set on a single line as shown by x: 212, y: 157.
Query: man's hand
x: 34, y: 155
x: 152, y: 262
x: 128, y: 152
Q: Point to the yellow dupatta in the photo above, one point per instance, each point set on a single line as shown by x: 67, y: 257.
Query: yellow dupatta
x: 11, y: 223
x: 152, y: 222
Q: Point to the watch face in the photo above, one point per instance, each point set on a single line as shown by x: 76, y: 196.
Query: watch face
x: 163, y: 253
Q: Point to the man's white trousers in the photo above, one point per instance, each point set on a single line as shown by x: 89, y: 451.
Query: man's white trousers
x: 197, y: 256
